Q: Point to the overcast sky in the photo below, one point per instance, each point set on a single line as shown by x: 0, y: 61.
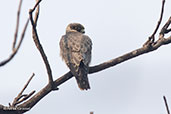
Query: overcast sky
x: 115, y: 27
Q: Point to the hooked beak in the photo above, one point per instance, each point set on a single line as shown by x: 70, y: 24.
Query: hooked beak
x: 82, y: 31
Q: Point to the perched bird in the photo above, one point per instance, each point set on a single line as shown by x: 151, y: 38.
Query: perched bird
x: 75, y: 50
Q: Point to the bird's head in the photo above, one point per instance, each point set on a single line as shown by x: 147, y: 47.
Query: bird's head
x: 75, y: 27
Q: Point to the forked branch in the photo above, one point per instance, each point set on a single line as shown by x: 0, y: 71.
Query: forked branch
x: 22, y: 97
x: 14, y: 47
x: 37, y: 41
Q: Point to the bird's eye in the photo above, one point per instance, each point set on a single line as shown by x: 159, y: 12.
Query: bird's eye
x: 75, y: 27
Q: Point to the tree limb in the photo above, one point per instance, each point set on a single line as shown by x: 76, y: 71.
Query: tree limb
x: 160, y: 19
x: 145, y: 49
x: 38, y: 44
x: 14, y: 47
x: 17, y: 25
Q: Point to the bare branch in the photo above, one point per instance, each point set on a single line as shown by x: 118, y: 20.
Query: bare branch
x: 167, y: 107
x: 37, y: 4
x: 37, y: 13
x: 37, y: 97
x: 165, y: 29
x: 160, y: 19
x: 151, y: 39
x: 145, y: 49
x: 25, y: 97
x: 16, y: 100
x: 27, y: 84
x: 38, y: 44
x: 15, y: 50
x: 17, y: 25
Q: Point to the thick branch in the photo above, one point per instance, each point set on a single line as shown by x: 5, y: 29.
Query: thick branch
x: 129, y: 55
x: 38, y: 44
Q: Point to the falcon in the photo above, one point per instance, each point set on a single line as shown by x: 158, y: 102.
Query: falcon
x: 75, y: 50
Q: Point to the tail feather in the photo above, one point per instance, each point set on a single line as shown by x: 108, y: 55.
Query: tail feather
x: 82, y: 78
x: 80, y: 74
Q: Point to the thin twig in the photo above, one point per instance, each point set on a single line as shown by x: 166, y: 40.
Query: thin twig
x: 165, y: 29
x: 26, y: 84
x: 17, y: 25
x: 35, y: 6
x: 167, y: 107
x: 19, y: 96
x: 38, y: 44
x: 25, y: 97
x: 16, y: 49
x: 37, y: 13
x: 22, y: 36
x: 151, y: 39
x: 160, y: 19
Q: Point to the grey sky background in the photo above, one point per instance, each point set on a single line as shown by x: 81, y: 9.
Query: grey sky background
x: 115, y: 27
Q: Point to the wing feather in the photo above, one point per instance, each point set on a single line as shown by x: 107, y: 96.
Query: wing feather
x: 75, y: 49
